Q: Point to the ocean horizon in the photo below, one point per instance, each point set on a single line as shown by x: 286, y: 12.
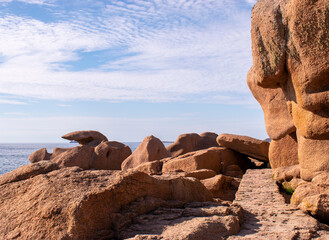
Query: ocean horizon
x: 14, y: 155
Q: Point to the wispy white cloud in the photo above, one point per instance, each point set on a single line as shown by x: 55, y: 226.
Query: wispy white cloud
x: 11, y: 102
x: 175, y: 50
x: 39, y: 2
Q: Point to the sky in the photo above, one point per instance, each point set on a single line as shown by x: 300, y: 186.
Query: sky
x: 127, y: 68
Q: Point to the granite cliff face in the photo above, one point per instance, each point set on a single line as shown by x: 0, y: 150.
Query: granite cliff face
x: 290, y: 79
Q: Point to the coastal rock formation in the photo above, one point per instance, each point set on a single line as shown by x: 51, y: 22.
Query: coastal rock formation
x: 90, y: 138
x: 109, y: 155
x: 149, y: 150
x: 73, y: 204
x: 190, y: 142
x: 243, y: 144
x: 39, y: 155
x: 290, y: 76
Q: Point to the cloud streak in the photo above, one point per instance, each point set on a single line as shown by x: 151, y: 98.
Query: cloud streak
x: 170, y: 51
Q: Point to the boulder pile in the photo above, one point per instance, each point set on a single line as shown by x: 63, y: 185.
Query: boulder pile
x: 101, y: 190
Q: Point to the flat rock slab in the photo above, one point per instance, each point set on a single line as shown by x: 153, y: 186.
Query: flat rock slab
x: 267, y: 216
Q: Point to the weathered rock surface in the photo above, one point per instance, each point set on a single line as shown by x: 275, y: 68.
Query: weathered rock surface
x: 266, y: 214
x: 193, y: 221
x: 282, y: 174
x: 73, y: 204
x: 109, y: 155
x: 246, y: 145
x: 39, y: 155
x: 90, y: 137
x: 284, y: 152
x: 190, y: 142
x: 149, y: 150
x: 290, y: 75
x: 313, y: 157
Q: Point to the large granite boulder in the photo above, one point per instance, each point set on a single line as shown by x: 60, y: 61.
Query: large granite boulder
x: 190, y: 142
x: 290, y: 76
x: 91, y: 138
x: 109, y: 155
x: 149, y: 150
x: 247, y: 145
x: 73, y: 204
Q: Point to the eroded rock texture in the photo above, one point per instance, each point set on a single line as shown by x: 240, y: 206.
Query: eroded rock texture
x: 290, y: 78
x: 73, y: 204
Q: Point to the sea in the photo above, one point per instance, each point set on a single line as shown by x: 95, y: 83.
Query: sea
x: 14, y: 155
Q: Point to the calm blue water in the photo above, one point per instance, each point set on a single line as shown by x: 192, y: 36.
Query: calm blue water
x: 14, y: 155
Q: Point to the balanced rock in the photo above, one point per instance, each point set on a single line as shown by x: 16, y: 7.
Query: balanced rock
x: 190, y: 142
x: 90, y: 138
x: 284, y: 152
x: 39, y: 155
x: 72, y: 204
x: 149, y: 150
x: 109, y: 155
x: 246, y: 145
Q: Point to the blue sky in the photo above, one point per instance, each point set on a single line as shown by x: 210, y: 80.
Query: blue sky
x: 126, y: 68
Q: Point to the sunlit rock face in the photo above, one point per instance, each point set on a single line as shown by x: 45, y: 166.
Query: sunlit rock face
x: 290, y: 76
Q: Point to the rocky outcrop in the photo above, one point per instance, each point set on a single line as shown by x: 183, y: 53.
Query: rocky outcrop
x: 73, y: 204
x: 90, y: 137
x: 190, y: 142
x: 290, y: 77
x: 39, y: 155
x: 149, y: 150
x: 243, y: 144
